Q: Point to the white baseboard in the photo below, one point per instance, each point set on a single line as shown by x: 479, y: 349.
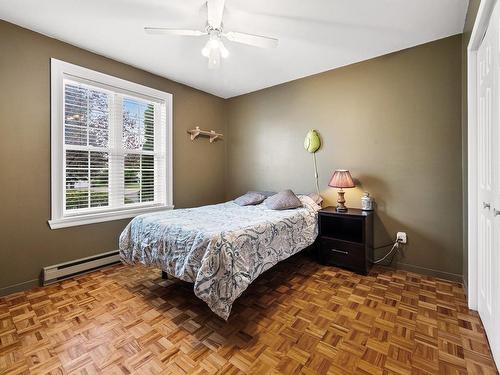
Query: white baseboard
x: 61, y: 271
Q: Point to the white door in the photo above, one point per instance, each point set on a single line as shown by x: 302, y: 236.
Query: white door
x: 488, y: 78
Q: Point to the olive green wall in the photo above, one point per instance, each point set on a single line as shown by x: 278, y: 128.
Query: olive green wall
x: 26, y: 242
x: 469, y: 24
x: 394, y: 121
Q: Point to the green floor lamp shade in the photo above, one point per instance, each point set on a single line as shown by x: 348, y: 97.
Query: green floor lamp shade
x: 312, y: 143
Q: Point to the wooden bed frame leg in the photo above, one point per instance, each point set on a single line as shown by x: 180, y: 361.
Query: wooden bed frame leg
x: 164, y: 275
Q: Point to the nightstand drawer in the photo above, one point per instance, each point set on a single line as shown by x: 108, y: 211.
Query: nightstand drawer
x: 342, y: 228
x: 340, y: 253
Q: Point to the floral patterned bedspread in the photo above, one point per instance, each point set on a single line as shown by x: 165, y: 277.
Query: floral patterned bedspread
x: 220, y: 248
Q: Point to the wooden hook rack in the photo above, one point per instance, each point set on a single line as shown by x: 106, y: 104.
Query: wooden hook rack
x: 196, y: 132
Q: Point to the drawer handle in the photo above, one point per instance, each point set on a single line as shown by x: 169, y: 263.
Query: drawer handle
x: 340, y: 251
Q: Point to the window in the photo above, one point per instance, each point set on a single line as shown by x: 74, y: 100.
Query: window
x: 111, y: 147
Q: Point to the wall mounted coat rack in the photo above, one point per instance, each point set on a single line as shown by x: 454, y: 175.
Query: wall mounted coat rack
x: 196, y: 132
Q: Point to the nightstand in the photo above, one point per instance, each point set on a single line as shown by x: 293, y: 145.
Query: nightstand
x: 346, y: 238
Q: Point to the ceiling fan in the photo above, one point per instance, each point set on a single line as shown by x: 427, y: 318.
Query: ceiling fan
x: 215, y: 49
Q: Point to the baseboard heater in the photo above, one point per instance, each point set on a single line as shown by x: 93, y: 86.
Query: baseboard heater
x: 58, y: 272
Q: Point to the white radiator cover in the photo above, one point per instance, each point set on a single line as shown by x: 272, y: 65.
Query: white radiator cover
x: 61, y: 271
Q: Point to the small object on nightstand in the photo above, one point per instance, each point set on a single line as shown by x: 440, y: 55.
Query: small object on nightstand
x: 366, y: 202
x: 341, y: 179
x: 346, y: 238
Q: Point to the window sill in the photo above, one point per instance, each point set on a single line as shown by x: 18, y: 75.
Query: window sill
x: 73, y: 221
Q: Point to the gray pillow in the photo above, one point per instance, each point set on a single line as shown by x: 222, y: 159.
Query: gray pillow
x: 318, y: 199
x: 250, y: 198
x: 267, y: 193
x: 284, y: 200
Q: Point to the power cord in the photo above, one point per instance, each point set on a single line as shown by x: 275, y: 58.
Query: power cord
x: 382, y: 246
x: 394, y: 249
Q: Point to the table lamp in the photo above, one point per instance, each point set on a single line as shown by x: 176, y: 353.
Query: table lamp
x: 341, y: 179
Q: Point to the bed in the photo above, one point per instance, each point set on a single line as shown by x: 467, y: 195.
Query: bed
x: 220, y: 248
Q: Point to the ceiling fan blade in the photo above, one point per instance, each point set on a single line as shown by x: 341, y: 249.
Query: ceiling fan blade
x: 215, y: 11
x: 165, y: 30
x: 252, y: 40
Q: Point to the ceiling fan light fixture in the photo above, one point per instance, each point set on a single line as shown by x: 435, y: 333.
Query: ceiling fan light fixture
x: 214, y: 58
x: 205, y: 51
x: 214, y: 49
x: 223, y: 50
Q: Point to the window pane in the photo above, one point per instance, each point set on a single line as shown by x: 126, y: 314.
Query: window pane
x: 131, y: 135
x: 75, y: 135
x: 98, y: 101
x: 99, y: 187
x: 147, y: 162
x: 98, y: 119
x: 77, y: 178
x: 77, y: 198
x: 139, y: 178
x: 75, y: 108
x: 138, y: 125
x: 148, y: 126
x: 98, y: 198
x: 77, y: 188
x: 75, y: 95
x: 86, y: 116
x: 75, y: 115
x: 98, y: 159
x: 132, y: 186
x: 132, y: 178
x: 147, y: 186
x: 99, y: 179
x: 77, y: 159
x: 132, y: 161
x: 98, y: 137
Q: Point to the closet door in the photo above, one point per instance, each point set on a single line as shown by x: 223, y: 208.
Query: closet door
x: 494, y: 169
x: 489, y: 183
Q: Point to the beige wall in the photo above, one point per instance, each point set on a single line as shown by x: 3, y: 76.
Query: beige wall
x: 26, y: 242
x: 394, y: 121
x: 469, y: 24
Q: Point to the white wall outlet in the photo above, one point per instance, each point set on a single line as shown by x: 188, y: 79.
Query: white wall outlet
x: 401, y: 237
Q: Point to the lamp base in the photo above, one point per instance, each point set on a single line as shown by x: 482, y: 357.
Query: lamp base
x: 340, y: 201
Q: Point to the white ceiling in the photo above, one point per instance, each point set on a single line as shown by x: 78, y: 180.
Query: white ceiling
x: 314, y: 35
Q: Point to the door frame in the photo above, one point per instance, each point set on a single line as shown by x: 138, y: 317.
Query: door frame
x: 480, y: 27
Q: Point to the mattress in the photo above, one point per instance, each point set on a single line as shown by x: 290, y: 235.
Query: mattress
x: 219, y: 248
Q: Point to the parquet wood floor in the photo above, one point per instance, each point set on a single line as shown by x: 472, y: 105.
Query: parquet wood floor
x: 297, y: 318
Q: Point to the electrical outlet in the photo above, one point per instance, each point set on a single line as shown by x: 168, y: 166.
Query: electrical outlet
x: 401, y: 237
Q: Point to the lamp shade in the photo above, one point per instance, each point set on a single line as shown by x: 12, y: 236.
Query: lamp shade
x: 341, y: 179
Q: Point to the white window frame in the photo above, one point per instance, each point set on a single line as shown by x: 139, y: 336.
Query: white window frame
x: 59, y: 71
